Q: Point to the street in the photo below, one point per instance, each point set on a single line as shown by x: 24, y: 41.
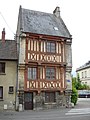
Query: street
x: 80, y: 112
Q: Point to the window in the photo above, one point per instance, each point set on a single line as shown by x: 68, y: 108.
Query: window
x: 11, y: 89
x: 1, y: 92
x: 82, y: 82
x: 2, y: 67
x: 50, y: 47
x: 85, y: 74
x: 49, y: 97
x: 82, y: 74
x: 50, y: 73
x: 86, y: 83
x: 32, y: 73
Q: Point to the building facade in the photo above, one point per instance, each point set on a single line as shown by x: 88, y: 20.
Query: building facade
x: 8, y: 72
x: 84, y: 73
x: 44, y: 60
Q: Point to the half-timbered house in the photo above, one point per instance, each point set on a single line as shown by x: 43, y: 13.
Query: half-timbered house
x: 44, y: 59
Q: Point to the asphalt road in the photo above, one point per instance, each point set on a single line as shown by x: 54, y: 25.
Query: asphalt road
x: 80, y: 112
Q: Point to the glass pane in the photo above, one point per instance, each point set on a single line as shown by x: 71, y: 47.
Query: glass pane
x: 53, y: 47
x: 47, y: 73
x: 31, y: 73
x: 2, y: 67
x: 50, y: 73
x: 48, y: 47
x: 1, y: 92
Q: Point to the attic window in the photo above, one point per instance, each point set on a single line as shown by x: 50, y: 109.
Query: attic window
x: 55, y: 28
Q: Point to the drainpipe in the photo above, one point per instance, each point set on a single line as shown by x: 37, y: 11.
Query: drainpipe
x: 18, y: 51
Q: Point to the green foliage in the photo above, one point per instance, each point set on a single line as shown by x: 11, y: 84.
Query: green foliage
x: 84, y: 87
x: 74, y: 96
x: 80, y: 86
x: 76, y: 85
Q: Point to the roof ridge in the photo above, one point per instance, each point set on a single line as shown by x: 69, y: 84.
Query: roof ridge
x: 37, y: 11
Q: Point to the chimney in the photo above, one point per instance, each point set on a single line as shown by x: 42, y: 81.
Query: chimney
x: 3, y: 35
x: 56, y: 12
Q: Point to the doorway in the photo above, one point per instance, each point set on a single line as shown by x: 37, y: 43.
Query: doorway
x: 28, y: 101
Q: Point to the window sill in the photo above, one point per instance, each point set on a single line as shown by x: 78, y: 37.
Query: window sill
x: 2, y: 73
x: 1, y: 100
x: 10, y: 92
x: 50, y: 103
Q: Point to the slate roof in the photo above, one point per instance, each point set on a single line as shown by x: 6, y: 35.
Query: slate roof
x: 8, y: 50
x: 42, y: 23
x: 86, y: 65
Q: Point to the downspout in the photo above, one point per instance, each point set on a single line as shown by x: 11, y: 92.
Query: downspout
x: 18, y: 51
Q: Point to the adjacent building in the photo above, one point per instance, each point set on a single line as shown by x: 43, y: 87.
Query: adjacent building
x: 44, y: 60
x: 84, y: 73
x: 8, y: 72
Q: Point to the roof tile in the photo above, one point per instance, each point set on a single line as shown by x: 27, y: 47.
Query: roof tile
x: 8, y: 50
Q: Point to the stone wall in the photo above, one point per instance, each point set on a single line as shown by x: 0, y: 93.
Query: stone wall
x: 39, y: 101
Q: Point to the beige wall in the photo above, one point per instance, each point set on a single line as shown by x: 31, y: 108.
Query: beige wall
x: 84, y: 75
x: 6, y: 80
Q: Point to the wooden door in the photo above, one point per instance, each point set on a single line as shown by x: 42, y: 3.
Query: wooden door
x: 28, y: 101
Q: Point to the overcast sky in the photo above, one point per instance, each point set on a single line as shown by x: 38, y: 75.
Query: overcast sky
x: 75, y: 13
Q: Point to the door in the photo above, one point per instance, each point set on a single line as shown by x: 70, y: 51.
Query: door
x: 28, y: 101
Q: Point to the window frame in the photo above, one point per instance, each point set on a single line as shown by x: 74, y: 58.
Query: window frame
x: 1, y: 89
x: 85, y: 74
x: 82, y: 75
x: 50, y: 97
x: 50, y: 47
x: 32, y: 73
x: 11, y: 91
x: 2, y: 67
x: 50, y: 74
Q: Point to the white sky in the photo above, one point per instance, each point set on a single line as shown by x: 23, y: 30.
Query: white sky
x: 75, y: 13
